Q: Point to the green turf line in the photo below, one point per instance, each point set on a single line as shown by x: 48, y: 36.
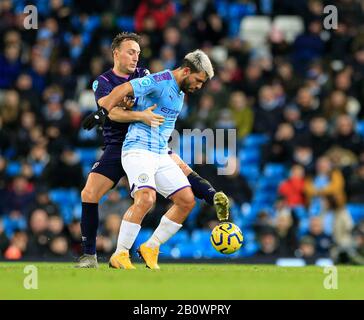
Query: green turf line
x: 180, y: 281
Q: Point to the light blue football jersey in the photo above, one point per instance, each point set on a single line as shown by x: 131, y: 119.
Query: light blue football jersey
x: 161, y: 89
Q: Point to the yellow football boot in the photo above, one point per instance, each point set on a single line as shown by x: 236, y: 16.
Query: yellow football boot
x: 121, y: 260
x: 221, y: 204
x: 149, y: 255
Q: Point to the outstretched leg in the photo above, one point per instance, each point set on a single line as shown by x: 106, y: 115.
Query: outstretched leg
x: 203, y: 189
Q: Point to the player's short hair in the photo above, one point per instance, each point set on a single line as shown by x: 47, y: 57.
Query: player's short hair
x: 124, y: 36
x: 198, y: 61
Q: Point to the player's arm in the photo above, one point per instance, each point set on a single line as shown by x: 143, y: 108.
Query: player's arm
x: 136, y: 87
x: 116, y: 96
x: 107, y: 103
x: 146, y: 116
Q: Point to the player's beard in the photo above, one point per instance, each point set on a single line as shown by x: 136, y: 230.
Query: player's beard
x: 185, y: 86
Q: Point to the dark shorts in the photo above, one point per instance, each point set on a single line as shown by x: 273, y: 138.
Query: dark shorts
x: 109, y: 165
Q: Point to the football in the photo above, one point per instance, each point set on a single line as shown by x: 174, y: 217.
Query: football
x: 226, y: 238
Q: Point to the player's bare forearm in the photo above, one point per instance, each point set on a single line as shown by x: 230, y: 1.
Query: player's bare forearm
x: 146, y: 116
x: 121, y: 115
x: 116, y: 96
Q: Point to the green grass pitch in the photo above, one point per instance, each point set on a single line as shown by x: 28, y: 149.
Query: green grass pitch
x: 180, y: 281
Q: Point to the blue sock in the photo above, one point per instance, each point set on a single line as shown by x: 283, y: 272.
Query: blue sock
x: 201, y: 188
x: 89, y: 224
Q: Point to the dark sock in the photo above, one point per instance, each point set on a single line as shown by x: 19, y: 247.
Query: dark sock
x: 89, y: 224
x: 201, y: 188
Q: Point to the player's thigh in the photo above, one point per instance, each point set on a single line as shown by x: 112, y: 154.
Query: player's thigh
x: 109, y: 165
x: 140, y: 168
x: 96, y: 186
x: 183, y: 165
x: 170, y: 177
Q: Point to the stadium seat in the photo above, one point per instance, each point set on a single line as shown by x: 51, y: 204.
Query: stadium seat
x: 248, y: 249
x: 65, y: 196
x: 181, y: 236
x: 87, y: 155
x: 190, y: 222
x: 255, y: 30
x: 66, y: 212
x: 9, y: 153
x: 12, y: 224
x: 255, y: 140
x: 38, y: 169
x: 268, y: 183
x: 249, y: 155
x: 303, y: 226
x: 143, y: 235
x: 124, y: 193
x: 92, y: 23
x: 126, y: 23
x: 301, y: 212
x: 274, y: 170
x: 212, y: 253
x: 249, y: 213
x: 237, y: 12
x: 183, y: 251
x: 77, y: 210
x: 356, y: 211
x: 86, y: 168
x: 13, y: 168
x: 264, y: 197
x: 201, y: 237
x: 290, y: 26
x: 250, y: 171
x: 86, y: 37
x: 249, y: 235
x: 360, y: 128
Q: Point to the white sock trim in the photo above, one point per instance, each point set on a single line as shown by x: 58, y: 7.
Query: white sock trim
x: 127, y: 235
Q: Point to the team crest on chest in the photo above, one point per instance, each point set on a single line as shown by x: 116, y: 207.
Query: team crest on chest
x: 145, y: 82
x: 95, y: 84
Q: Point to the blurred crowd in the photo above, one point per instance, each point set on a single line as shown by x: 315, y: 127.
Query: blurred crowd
x: 305, y: 96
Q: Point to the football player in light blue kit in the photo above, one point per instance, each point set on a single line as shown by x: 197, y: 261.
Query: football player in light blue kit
x: 145, y: 156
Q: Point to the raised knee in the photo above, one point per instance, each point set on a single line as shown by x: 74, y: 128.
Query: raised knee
x: 187, y: 202
x: 89, y: 195
x: 145, y: 199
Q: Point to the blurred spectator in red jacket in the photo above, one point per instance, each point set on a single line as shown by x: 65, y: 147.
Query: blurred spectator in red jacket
x: 157, y: 11
x: 292, y: 189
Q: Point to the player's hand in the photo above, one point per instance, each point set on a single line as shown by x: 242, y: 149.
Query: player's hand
x: 96, y: 118
x: 127, y: 103
x: 150, y: 118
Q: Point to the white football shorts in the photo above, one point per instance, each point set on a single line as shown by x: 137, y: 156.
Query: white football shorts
x: 147, y: 169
